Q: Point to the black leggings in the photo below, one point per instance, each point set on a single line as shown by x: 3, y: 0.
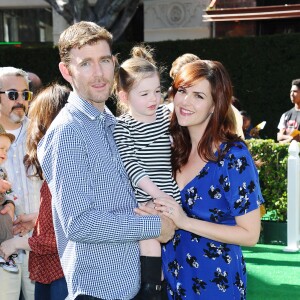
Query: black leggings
x: 152, y: 288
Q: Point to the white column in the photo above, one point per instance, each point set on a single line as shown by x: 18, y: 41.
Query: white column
x: 293, y: 205
x: 59, y: 25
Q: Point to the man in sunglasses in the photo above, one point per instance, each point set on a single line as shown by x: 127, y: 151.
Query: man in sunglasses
x: 14, y: 98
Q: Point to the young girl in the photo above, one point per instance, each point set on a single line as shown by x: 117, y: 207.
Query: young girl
x: 142, y: 136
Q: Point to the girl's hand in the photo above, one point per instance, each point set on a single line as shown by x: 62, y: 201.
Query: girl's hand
x: 144, y: 210
x: 170, y: 208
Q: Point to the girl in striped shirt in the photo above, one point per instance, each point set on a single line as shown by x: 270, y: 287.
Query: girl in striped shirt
x: 143, y: 139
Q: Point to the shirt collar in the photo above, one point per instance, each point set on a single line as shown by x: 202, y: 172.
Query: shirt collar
x: 90, y: 111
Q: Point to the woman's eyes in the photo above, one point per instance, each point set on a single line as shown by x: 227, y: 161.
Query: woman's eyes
x: 199, y: 96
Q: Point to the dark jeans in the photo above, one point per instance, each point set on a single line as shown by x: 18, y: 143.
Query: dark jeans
x: 56, y: 290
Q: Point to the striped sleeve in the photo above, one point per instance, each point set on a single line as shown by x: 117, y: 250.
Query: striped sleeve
x: 125, y: 144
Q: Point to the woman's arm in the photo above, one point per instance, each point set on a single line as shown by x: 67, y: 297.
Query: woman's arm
x: 244, y: 233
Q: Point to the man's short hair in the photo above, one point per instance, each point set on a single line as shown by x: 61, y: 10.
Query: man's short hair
x: 12, y: 71
x: 81, y: 34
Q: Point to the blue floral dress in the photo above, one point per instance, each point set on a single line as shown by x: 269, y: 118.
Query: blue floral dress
x: 199, y: 268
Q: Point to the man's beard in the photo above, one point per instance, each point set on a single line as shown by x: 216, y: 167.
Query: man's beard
x: 16, y: 118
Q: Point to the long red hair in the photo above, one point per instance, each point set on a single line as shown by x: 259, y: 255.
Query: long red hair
x: 222, y: 125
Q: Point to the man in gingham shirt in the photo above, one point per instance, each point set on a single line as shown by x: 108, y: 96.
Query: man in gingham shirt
x: 93, y: 203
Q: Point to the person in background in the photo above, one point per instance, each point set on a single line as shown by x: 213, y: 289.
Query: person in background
x: 179, y: 62
x: 6, y: 221
x: 250, y: 132
x: 93, y: 203
x: 219, y: 186
x: 44, y: 264
x: 143, y: 139
x: 238, y: 117
x: 35, y: 82
x: 290, y: 120
x: 14, y: 96
x: 236, y: 103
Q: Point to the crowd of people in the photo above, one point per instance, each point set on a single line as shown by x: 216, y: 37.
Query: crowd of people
x: 153, y: 204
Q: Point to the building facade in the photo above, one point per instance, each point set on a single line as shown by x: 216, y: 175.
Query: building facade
x: 34, y: 21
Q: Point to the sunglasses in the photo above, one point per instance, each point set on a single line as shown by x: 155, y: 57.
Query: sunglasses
x: 14, y: 95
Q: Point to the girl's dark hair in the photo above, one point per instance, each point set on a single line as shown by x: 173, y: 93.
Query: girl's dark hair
x: 43, y: 109
x: 221, y: 126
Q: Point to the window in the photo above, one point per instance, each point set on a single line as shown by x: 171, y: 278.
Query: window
x: 26, y: 25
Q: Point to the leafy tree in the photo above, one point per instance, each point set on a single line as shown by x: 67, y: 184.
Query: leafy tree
x: 114, y: 15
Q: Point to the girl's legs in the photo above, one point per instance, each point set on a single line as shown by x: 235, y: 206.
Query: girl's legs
x: 151, y: 284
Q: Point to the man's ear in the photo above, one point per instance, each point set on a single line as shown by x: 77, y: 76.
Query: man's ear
x: 123, y: 96
x: 65, y: 72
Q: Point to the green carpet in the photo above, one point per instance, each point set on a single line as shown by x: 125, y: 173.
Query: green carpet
x: 272, y: 273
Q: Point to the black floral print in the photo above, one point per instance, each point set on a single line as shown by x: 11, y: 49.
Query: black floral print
x: 197, y: 268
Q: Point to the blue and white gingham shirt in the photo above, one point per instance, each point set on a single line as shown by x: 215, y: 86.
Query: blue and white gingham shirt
x: 92, y: 201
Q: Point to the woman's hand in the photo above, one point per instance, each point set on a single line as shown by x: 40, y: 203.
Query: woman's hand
x: 170, y: 208
x: 24, y: 223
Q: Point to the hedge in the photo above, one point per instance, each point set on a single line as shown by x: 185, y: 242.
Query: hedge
x: 261, y: 68
x: 272, y: 159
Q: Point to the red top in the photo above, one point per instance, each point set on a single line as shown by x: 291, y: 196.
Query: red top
x: 44, y: 264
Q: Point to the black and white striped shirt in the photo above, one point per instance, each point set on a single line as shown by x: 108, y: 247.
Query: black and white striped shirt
x: 145, y: 149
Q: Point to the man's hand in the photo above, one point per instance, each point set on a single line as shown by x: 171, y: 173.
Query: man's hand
x: 4, y: 185
x: 24, y: 223
x: 167, y: 229
x: 9, y: 208
x: 167, y: 225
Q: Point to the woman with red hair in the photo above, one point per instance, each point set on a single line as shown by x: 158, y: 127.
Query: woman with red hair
x: 219, y: 185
